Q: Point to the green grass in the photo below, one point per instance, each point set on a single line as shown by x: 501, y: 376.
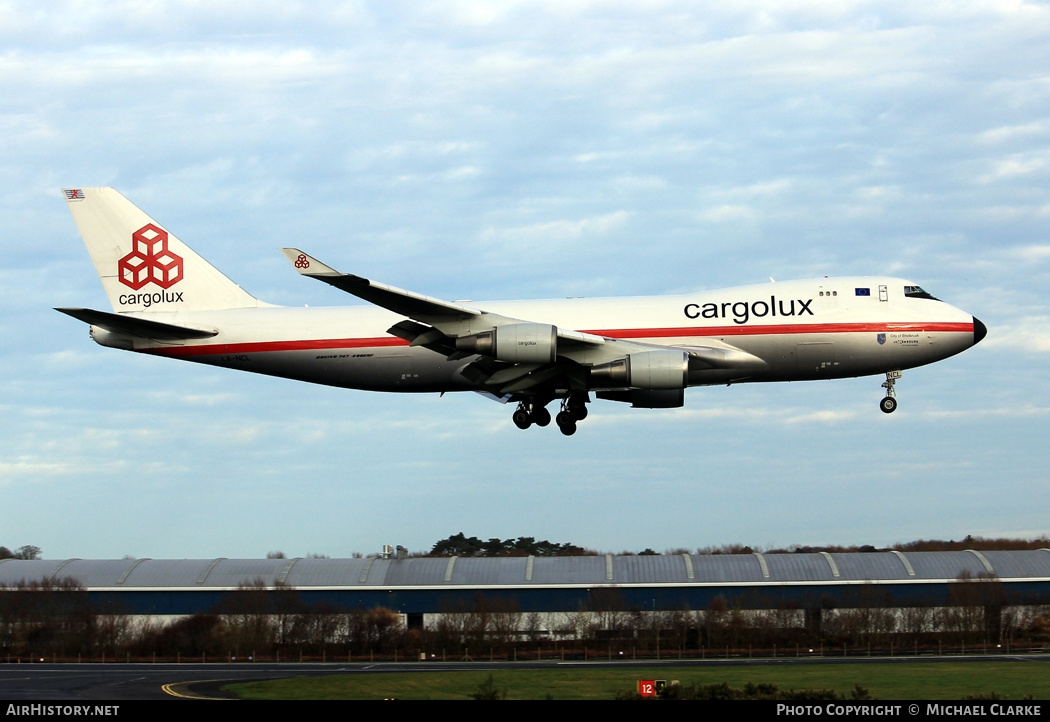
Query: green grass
x: 948, y: 680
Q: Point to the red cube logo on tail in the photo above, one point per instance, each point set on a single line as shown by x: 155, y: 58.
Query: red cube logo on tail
x: 150, y: 261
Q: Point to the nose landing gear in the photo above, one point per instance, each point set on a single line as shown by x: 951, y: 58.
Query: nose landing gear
x: 889, y: 404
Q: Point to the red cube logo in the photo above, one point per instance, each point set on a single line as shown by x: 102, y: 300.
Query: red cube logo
x: 150, y: 261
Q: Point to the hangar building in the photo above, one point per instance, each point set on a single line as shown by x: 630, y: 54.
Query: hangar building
x: 417, y: 587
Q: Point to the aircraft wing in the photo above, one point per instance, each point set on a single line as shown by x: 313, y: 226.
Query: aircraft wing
x: 449, y: 319
x: 399, y: 301
x: 511, y: 355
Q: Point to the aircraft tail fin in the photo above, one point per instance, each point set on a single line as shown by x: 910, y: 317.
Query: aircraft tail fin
x: 143, y: 266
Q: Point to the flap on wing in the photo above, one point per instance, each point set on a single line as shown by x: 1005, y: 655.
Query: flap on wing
x: 725, y: 357
x: 137, y: 326
x: 500, y: 399
x: 579, y: 337
x: 418, y: 334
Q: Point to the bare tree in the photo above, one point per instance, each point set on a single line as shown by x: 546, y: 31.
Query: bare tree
x: 28, y: 552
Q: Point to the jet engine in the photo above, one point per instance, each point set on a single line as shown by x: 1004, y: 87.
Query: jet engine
x: 532, y: 343
x: 663, y: 369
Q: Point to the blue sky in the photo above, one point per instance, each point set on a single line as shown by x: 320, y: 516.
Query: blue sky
x: 525, y: 150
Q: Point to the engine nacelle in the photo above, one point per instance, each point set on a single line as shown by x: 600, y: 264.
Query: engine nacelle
x: 531, y: 343
x: 663, y: 369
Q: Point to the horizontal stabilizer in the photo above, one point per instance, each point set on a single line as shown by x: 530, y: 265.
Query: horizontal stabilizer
x: 136, y: 326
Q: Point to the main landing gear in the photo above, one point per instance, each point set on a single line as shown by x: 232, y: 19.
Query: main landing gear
x: 527, y: 414
x: 573, y: 409
x: 889, y: 404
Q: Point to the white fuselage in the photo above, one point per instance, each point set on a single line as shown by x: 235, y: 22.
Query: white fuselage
x: 825, y: 328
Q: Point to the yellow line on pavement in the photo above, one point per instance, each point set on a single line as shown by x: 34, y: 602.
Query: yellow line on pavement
x: 179, y: 689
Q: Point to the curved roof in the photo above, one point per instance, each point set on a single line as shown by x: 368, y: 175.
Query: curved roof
x: 607, y: 570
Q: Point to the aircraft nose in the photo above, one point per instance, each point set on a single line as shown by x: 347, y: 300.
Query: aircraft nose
x: 979, y: 331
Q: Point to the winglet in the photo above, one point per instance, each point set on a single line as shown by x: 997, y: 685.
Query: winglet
x: 308, y: 265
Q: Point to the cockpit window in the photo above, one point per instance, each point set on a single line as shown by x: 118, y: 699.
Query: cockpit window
x: 917, y: 292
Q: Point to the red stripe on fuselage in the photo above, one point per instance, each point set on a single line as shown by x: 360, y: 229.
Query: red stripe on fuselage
x: 771, y: 329
x: 647, y: 333
x: 269, y: 346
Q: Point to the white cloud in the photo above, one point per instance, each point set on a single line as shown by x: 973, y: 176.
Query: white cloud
x: 1030, y: 334
x: 1031, y: 254
x: 1038, y: 130
x: 723, y: 213
x: 1016, y: 165
x: 550, y: 235
x: 19, y: 470
x: 1026, y: 411
x: 697, y: 412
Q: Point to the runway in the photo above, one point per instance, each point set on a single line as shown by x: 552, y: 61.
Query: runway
x: 92, y: 682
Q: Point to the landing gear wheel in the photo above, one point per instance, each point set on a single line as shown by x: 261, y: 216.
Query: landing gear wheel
x: 522, y: 419
x: 889, y: 404
x: 540, y: 416
x: 577, y: 406
x: 566, y: 423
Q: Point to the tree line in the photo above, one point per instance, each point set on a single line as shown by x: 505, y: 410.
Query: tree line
x: 23, y: 552
x: 461, y: 545
x: 58, y: 619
